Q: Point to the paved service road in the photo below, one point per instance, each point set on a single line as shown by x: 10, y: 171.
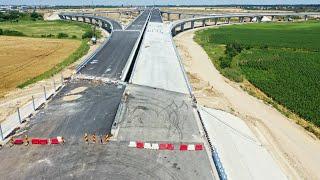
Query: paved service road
x: 81, y: 107
x: 112, y: 58
x: 138, y: 23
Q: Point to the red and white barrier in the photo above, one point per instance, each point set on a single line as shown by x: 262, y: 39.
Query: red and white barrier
x: 41, y: 141
x: 165, y: 146
x: 18, y: 141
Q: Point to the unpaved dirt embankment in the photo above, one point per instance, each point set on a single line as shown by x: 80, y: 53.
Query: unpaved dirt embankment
x: 295, y: 149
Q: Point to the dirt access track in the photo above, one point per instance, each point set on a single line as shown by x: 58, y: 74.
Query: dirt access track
x: 23, y: 58
x: 295, y: 149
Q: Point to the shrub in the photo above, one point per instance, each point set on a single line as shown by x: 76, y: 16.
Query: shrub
x: 1, y: 31
x: 62, y: 35
x: 87, y: 34
x: 74, y: 37
x: 232, y: 74
x: 225, y: 62
x: 12, y: 33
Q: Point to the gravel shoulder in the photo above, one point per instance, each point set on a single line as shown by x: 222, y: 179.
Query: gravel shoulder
x: 292, y: 146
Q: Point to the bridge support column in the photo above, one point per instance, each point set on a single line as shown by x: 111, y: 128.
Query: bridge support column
x: 90, y: 19
x: 108, y: 28
x: 179, y: 15
x: 174, y: 32
x: 272, y: 18
x: 83, y: 19
x: 182, y: 27
x: 203, y: 23
x: 241, y: 19
x: 306, y: 17
x: 192, y: 24
x: 251, y: 18
x: 228, y: 20
x: 288, y: 18
x: 259, y: 18
x: 77, y: 18
x: 168, y: 16
x: 215, y: 21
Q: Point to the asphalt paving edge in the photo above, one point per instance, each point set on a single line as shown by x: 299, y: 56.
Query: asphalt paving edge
x: 131, y: 63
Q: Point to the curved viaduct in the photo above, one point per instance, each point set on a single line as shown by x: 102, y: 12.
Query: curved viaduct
x: 205, y: 18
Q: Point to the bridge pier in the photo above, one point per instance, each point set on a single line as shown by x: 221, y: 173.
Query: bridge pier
x: 259, y: 18
x: 306, y: 17
x: 192, y: 24
x: 241, y: 19
x: 173, y: 32
x: 77, y: 18
x: 179, y: 15
x: 288, y: 18
x: 83, y: 19
x: 272, y: 18
x: 215, y: 21
x: 228, y: 20
x: 108, y: 28
x: 168, y: 16
x: 90, y: 20
x: 182, y: 27
x: 203, y: 23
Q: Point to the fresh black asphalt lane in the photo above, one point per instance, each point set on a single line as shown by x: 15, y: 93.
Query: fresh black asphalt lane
x: 112, y: 58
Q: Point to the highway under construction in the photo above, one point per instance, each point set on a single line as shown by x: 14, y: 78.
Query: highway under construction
x: 156, y: 131
x: 129, y: 112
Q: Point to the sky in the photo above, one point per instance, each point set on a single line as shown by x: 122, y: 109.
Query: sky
x: 151, y: 2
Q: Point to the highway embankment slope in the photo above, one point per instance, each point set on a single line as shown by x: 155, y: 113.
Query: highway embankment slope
x: 293, y: 147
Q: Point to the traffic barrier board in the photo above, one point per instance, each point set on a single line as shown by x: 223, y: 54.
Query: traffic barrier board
x: 183, y: 147
x: 18, y: 141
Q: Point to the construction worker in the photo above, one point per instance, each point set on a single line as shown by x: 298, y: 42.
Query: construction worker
x: 85, y: 137
x: 11, y: 142
x: 26, y: 140
x: 107, y: 138
x: 63, y: 140
x: 94, y: 140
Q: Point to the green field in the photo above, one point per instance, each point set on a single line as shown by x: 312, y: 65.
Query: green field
x: 281, y: 59
x: 45, y: 28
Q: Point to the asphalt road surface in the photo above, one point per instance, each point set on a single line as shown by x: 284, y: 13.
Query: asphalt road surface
x: 81, y: 107
x: 156, y: 16
x: 112, y: 58
x: 139, y: 22
x: 115, y: 161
